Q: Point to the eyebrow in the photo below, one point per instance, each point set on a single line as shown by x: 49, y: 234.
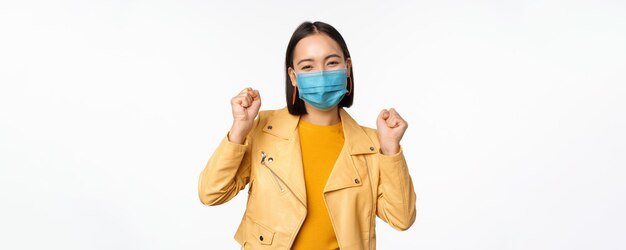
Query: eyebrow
x: 325, y: 58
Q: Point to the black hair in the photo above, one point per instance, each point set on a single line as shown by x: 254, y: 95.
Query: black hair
x: 305, y: 29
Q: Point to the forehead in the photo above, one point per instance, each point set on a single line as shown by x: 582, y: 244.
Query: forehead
x: 316, y: 46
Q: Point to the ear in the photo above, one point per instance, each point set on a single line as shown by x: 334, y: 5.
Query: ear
x: 292, y: 76
x: 349, y: 65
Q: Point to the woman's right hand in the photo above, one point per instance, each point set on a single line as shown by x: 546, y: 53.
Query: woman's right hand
x: 245, y: 108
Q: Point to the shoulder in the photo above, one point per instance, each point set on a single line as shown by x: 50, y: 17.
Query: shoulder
x: 272, y: 115
x: 263, y: 117
x: 264, y: 114
x: 269, y: 113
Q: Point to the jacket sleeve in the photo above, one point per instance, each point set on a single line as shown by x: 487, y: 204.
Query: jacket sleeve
x: 227, y: 171
x: 396, y: 197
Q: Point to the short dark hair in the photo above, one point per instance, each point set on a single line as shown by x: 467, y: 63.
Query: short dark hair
x: 305, y: 29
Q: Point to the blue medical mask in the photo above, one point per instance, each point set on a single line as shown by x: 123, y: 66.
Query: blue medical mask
x: 322, y: 89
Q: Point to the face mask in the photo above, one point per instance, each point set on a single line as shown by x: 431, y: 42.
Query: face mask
x: 322, y: 89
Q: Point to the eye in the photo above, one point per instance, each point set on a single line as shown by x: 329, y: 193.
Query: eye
x: 306, y: 67
x: 333, y: 63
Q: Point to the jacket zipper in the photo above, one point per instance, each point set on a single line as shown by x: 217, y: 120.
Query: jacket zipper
x: 305, y: 213
x: 263, y: 156
x: 277, y: 181
x: 276, y: 178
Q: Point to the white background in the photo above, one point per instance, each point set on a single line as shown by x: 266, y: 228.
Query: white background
x: 109, y: 110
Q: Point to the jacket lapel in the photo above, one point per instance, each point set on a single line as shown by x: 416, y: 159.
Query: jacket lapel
x: 288, y: 162
x: 345, y: 173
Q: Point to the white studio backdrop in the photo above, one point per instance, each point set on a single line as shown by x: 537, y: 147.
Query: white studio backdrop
x: 109, y: 110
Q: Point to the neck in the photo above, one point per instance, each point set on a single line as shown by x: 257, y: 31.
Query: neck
x: 322, y: 118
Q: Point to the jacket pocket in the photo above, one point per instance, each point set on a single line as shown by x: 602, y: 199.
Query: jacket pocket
x: 263, y: 234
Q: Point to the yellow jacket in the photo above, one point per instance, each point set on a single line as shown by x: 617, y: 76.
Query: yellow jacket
x: 363, y: 184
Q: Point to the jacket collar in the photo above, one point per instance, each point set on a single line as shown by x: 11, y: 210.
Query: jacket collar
x: 283, y: 124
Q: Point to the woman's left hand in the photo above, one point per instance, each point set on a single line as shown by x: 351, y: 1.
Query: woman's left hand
x: 390, y: 128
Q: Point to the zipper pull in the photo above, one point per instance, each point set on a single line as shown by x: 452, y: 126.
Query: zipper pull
x: 263, y: 155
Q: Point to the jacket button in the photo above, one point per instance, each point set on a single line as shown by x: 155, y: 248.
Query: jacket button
x: 269, y: 127
x: 261, y: 237
x: 372, y: 148
x: 356, y: 181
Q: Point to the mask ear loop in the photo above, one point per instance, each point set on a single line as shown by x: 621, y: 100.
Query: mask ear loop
x: 349, y: 92
x: 295, y: 89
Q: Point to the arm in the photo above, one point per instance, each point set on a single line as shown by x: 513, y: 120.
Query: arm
x: 227, y: 171
x: 396, y: 196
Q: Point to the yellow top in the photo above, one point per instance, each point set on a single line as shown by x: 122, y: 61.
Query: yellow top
x: 320, y: 146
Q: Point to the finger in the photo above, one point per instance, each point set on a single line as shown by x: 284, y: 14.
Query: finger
x: 245, y: 90
x: 403, y: 123
x: 384, y: 114
x: 241, y: 101
x: 253, y: 92
x: 256, y: 95
x: 248, y: 98
x: 397, y: 115
x: 257, y: 101
x: 392, y: 122
x: 246, y: 95
x: 392, y: 110
x: 245, y: 103
x: 250, y: 92
x: 395, y: 112
x: 236, y: 99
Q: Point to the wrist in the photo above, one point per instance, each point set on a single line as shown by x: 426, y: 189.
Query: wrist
x: 237, y: 134
x: 240, y: 127
x: 235, y: 138
x: 390, y: 149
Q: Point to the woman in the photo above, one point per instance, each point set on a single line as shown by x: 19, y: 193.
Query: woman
x: 317, y: 180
